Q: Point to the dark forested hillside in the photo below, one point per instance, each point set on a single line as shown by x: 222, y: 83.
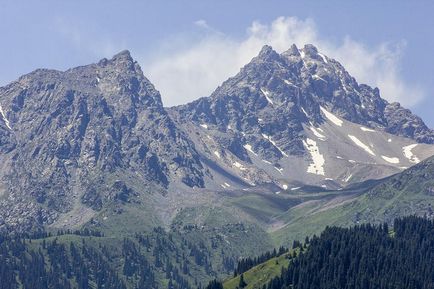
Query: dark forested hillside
x: 181, y: 259
x: 365, y: 257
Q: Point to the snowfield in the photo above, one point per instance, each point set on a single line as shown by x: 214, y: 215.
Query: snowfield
x: 361, y: 144
x: 317, y: 133
x: 333, y: 118
x: 409, y: 154
x: 392, y: 160
x: 317, y: 166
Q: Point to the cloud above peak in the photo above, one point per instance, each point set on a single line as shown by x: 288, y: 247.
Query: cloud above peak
x: 209, y: 57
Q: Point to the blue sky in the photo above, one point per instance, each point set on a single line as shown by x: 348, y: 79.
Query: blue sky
x: 186, y: 48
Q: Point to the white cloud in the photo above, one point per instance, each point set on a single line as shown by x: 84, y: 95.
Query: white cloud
x: 183, y: 75
x: 202, y: 24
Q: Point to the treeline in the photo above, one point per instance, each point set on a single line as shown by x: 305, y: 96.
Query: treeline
x: 365, y: 257
x: 246, y: 264
x: 54, y: 265
x: 44, y: 234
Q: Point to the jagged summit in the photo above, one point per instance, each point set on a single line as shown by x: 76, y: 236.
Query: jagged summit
x: 292, y: 51
x: 267, y: 52
x: 309, y: 79
x: 124, y: 54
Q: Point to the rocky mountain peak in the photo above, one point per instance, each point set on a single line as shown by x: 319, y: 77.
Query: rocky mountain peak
x: 307, y: 79
x: 77, y: 133
x: 292, y: 51
x: 123, y: 62
x: 123, y: 55
x: 283, y: 108
x: 310, y: 50
x: 267, y: 53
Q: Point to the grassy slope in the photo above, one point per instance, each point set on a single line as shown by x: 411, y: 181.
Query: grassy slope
x: 408, y: 193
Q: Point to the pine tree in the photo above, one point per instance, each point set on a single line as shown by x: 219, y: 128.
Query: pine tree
x: 242, y: 283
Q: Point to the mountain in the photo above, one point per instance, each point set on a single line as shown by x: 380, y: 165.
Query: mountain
x: 300, y: 118
x: 77, y: 140
x: 94, y: 146
x: 288, y: 146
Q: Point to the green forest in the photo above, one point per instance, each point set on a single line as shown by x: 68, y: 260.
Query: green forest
x: 362, y: 257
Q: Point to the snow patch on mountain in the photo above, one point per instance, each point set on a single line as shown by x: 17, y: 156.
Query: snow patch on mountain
x: 249, y: 148
x: 225, y: 185
x: 347, y: 179
x: 319, y: 77
x: 333, y: 118
x: 323, y: 57
x: 407, y: 150
x: 317, y: 133
x: 240, y: 166
x: 280, y: 170
x: 318, y: 161
x: 274, y: 144
x: 305, y: 113
x: 4, y: 118
x: 290, y: 83
x: 361, y: 144
x: 366, y: 129
x: 266, y: 94
x: 392, y: 160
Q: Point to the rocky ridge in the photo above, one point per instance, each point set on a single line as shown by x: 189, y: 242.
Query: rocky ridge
x: 75, y: 143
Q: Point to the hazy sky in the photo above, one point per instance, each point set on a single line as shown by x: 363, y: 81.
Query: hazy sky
x: 187, y: 48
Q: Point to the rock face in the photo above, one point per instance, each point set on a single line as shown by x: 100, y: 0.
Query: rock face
x: 401, y: 121
x: 74, y: 142
x: 281, y: 108
x: 68, y: 137
x: 277, y: 93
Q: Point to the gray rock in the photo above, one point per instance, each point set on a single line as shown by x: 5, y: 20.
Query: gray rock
x: 76, y: 132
